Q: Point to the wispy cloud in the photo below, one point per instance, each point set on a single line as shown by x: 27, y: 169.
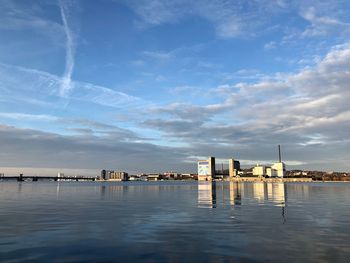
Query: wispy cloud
x: 19, y: 16
x: 230, y: 18
x: 43, y: 86
x: 321, y: 25
x: 27, y: 117
x: 67, y: 84
x: 270, y: 45
x: 159, y: 55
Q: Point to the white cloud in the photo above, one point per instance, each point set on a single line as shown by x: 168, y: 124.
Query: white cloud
x: 43, y: 86
x: 304, y: 109
x: 15, y: 16
x: 159, y: 55
x: 66, y: 83
x: 321, y: 25
x: 270, y: 45
x: 230, y: 18
x: 27, y: 117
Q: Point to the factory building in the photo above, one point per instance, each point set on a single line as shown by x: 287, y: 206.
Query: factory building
x: 270, y: 172
x: 233, y: 167
x: 279, y: 169
x: 259, y: 170
x: 276, y: 170
x: 206, y: 169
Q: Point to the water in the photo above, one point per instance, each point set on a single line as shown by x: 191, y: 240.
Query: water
x: 174, y: 222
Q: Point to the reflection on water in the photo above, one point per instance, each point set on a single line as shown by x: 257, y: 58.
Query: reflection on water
x: 112, y: 191
x: 166, y: 222
x: 206, y: 194
x: 275, y: 193
x: 19, y: 187
x: 235, y: 193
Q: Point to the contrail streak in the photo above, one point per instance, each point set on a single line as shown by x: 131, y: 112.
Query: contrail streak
x: 67, y: 84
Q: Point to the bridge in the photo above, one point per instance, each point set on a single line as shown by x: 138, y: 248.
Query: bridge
x: 22, y: 178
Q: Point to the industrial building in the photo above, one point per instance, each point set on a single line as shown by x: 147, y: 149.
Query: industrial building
x: 278, y: 169
x: 206, y: 169
x: 259, y: 170
x: 275, y: 170
x: 233, y: 167
x: 154, y: 177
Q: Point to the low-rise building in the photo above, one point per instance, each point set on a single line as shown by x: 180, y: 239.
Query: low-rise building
x: 188, y: 176
x: 153, y: 177
x: 143, y: 177
x: 114, y: 175
x: 279, y: 169
x: 270, y: 172
x: 170, y: 176
x: 134, y: 178
x: 259, y: 170
x: 275, y: 170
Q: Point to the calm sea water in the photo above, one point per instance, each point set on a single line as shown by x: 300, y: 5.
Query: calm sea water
x: 174, y: 222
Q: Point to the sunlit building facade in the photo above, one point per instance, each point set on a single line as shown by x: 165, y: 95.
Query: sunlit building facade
x: 114, y: 175
x: 279, y: 169
x: 233, y: 167
x: 206, y: 169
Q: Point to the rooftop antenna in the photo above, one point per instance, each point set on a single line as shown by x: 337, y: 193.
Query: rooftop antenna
x: 279, y: 153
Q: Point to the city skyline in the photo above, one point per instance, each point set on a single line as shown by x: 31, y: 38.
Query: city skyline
x: 157, y: 85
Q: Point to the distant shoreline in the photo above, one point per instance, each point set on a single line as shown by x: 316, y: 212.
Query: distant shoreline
x: 242, y: 179
x: 237, y: 180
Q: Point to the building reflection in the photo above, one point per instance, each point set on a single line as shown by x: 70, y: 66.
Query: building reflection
x: 206, y: 194
x: 235, y: 193
x: 57, y: 191
x: 259, y: 192
x: 264, y: 193
x: 112, y: 191
x: 19, y: 189
x: 277, y: 194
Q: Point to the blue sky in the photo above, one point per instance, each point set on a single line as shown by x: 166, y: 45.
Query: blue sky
x: 155, y: 85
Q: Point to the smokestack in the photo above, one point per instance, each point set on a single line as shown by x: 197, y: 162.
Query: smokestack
x: 279, y: 153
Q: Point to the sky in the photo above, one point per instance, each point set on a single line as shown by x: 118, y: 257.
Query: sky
x: 155, y: 85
